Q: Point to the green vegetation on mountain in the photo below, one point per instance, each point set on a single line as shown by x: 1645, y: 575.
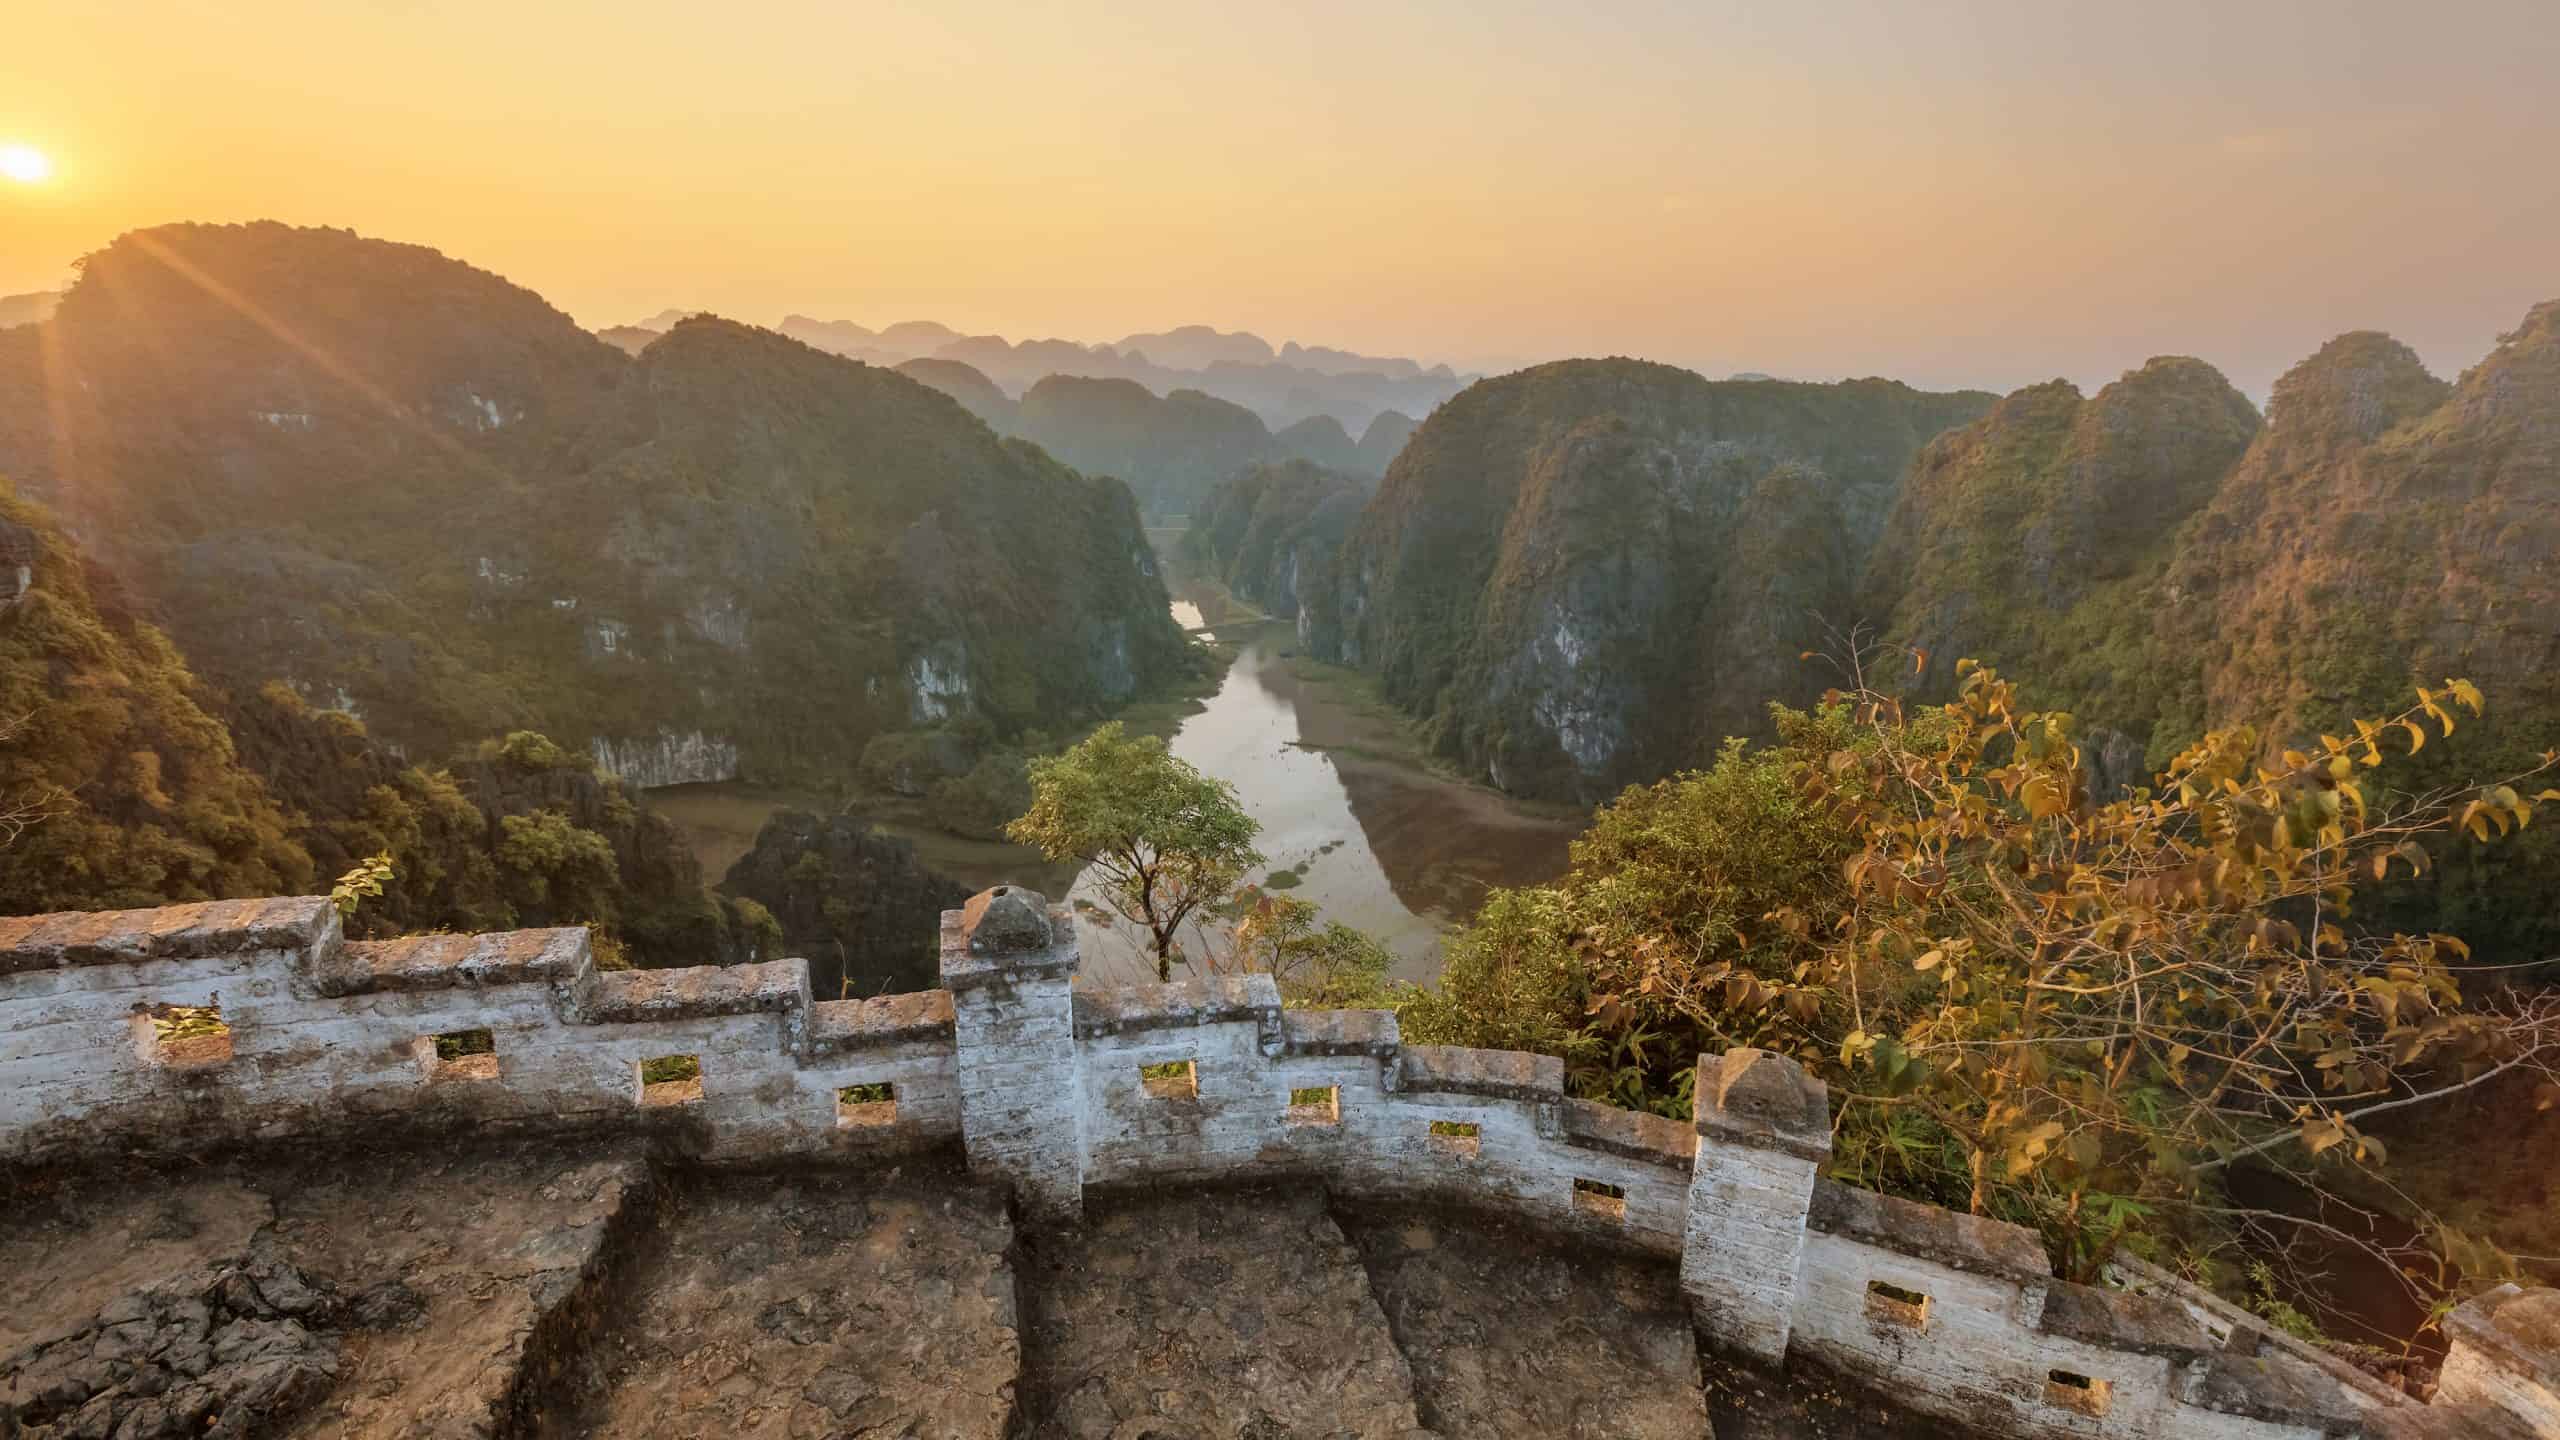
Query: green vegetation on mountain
x: 2161, y: 565
x: 1274, y: 532
x: 117, y: 786
x: 856, y: 903
x: 125, y: 782
x: 421, y: 494
x: 1383, y: 441
x: 1590, y: 572
x: 2033, y: 537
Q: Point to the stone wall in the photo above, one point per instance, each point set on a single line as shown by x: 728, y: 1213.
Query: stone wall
x: 293, y: 1031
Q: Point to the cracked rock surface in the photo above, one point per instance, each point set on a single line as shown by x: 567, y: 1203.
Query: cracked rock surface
x: 354, y: 1294
x: 808, y: 1305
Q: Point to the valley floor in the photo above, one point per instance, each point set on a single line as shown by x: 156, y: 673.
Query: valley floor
x: 529, y: 1289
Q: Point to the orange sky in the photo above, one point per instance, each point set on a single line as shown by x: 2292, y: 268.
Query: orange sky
x: 1988, y: 194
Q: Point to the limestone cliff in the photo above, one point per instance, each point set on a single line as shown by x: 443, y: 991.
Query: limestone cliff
x: 1273, y: 533
x: 423, y: 494
x: 1581, y: 574
x: 2030, y: 536
x: 2156, y: 562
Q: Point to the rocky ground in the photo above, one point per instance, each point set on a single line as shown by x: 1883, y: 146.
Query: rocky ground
x: 544, y: 1290
x: 815, y: 1305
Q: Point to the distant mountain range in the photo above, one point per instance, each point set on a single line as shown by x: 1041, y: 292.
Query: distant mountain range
x: 1171, y: 449
x: 1284, y: 386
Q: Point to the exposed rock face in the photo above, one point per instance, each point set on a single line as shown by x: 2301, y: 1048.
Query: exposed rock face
x: 666, y: 759
x: 1272, y: 534
x: 857, y: 903
x: 1573, y: 573
x: 445, y: 500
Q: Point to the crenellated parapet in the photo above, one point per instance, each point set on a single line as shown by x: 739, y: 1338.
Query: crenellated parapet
x: 178, y: 1029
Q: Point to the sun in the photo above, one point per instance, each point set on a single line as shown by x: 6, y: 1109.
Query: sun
x: 25, y: 164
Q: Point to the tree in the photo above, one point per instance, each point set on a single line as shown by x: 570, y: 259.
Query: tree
x: 1329, y: 966
x: 1166, y: 838
x: 2029, y: 999
x: 2104, y: 1003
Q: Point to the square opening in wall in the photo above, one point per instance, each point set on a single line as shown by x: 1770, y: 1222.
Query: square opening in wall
x: 1896, y: 1306
x: 182, y: 1037
x: 459, y: 1055
x: 1596, y: 1198
x: 671, y: 1080
x: 1316, y: 1105
x: 862, y: 1107
x: 2075, y: 1392
x: 1172, y: 1080
x: 1456, y: 1137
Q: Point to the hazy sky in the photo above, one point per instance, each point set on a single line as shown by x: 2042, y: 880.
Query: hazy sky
x: 1989, y: 193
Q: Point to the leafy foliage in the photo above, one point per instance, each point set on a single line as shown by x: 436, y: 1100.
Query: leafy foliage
x: 2029, y: 1000
x: 1167, y: 839
x: 122, y: 789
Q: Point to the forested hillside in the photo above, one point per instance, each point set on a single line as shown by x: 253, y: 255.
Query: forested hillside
x: 1274, y: 534
x: 2383, y: 529
x: 416, y: 493
x: 1586, y: 573
x: 126, y: 781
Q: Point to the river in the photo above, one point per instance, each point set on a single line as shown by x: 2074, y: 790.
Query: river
x: 1352, y: 820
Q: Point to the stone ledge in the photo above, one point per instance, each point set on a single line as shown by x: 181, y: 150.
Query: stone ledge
x: 201, y: 930
x: 837, y: 1026
x: 2518, y: 1330
x: 1497, y: 1074
x: 696, y: 992
x: 2278, y: 1389
x: 1970, y: 1243
x: 2122, y: 1320
x: 443, y: 962
x: 1206, y: 1000
x: 1629, y: 1134
x: 1373, y: 1033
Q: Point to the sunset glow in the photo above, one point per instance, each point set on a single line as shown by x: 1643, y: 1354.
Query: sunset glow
x: 25, y: 164
x: 1989, y: 196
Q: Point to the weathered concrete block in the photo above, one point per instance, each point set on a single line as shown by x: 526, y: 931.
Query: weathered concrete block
x: 444, y: 962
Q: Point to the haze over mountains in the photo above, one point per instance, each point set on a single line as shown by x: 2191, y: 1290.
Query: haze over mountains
x: 1285, y: 387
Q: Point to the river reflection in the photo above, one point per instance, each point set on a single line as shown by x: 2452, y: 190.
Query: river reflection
x: 1381, y: 846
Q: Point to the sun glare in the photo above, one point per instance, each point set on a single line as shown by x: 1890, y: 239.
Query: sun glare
x: 25, y: 164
